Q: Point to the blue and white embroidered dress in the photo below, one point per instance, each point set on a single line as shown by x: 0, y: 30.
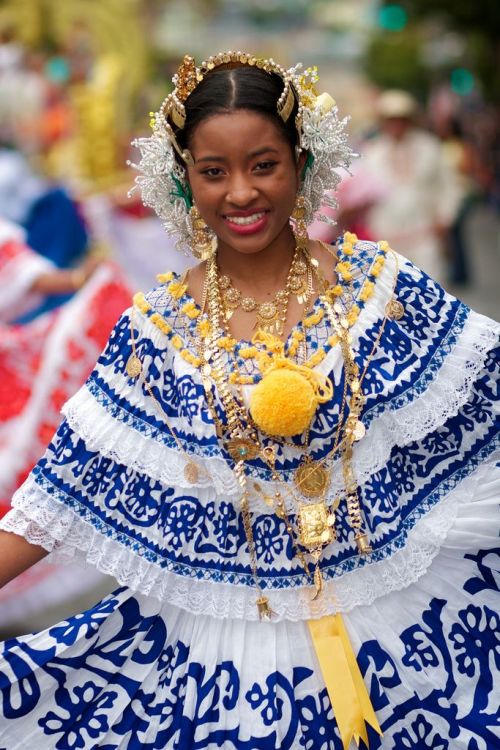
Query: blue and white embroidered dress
x: 177, y: 658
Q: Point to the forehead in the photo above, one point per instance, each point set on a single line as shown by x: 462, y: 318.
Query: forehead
x: 241, y: 131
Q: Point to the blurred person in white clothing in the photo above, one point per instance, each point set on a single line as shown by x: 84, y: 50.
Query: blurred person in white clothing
x: 419, y: 200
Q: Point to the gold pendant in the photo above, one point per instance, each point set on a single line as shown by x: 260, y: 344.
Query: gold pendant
x: 191, y: 472
x: 316, y: 526
x: 133, y: 366
x: 394, y: 309
x: 312, y: 479
x: 269, y: 454
x: 364, y: 546
x: 264, y: 609
x: 318, y: 582
x: 355, y: 429
x: 242, y: 449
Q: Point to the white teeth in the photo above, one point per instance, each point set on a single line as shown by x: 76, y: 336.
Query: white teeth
x: 242, y: 220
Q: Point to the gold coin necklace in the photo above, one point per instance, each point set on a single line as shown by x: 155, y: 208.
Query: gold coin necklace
x: 269, y: 315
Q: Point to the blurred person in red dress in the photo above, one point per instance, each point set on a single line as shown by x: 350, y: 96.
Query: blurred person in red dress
x: 41, y: 364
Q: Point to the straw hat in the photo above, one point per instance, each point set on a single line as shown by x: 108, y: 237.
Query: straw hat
x: 396, y: 103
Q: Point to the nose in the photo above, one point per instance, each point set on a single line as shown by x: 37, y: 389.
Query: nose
x: 241, y: 192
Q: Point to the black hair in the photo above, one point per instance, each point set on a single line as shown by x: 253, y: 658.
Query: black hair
x: 227, y: 89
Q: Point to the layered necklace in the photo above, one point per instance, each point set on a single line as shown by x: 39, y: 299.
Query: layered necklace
x: 246, y: 437
x: 315, y: 520
x: 270, y: 316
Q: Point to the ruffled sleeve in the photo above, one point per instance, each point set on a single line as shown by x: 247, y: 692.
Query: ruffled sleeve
x: 112, y: 489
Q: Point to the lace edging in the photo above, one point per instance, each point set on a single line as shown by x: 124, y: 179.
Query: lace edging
x: 399, y: 424
x: 123, y: 444
x: 46, y: 522
x: 402, y: 423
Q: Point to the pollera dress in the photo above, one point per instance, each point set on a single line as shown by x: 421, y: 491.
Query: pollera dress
x: 177, y: 657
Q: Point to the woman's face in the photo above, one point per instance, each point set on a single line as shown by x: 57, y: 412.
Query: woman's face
x: 244, y: 180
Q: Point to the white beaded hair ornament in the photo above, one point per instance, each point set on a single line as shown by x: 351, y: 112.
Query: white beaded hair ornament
x: 163, y: 179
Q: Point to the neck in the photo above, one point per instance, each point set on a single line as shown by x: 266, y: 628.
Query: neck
x: 260, y: 270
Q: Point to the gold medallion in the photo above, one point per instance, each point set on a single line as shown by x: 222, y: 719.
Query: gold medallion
x: 133, y: 366
x: 358, y: 430
x: 394, y: 309
x: 312, y: 479
x: 355, y: 429
x: 191, y: 472
x: 315, y: 530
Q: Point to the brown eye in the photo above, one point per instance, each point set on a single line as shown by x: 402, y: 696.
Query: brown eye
x: 212, y: 172
x: 263, y: 165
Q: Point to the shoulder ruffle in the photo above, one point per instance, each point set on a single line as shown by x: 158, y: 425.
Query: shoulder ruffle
x: 112, y: 488
x: 70, y: 537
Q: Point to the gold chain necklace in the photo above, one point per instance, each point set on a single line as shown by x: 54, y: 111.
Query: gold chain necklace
x: 135, y: 370
x: 315, y: 521
x: 270, y: 315
x: 247, y: 446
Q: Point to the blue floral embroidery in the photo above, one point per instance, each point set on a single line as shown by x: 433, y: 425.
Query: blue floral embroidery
x: 418, y: 736
x: 74, y: 721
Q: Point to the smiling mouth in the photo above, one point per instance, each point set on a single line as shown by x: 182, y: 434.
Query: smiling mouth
x: 246, y: 220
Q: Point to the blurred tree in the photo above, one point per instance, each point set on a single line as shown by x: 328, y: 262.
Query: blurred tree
x: 478, y: 22
x: 393, y: 60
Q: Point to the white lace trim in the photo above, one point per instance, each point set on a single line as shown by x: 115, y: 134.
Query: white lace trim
x: 52, y: 525
x: 399, y: 425
x: 441, y: 400
x: 125, y: 445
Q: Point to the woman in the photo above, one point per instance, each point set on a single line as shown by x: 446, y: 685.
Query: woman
x: 41, y: 364
x: 286, y: 457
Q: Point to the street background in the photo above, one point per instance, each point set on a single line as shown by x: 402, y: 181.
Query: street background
x: 79, y: 78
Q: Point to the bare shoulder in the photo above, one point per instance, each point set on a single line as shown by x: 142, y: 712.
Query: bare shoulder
x: 326, y: 255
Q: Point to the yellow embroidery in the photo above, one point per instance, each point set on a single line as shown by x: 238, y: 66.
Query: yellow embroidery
x: 177, y: 341
x: 190, y: 310
x: 367, y: 291
x: 227, y: 343
x: 314, y: 318
x: 176, y: 289
x: 204, y: 328
x: 164, y: 278
x: 247, y: 352
x: 160, y: 323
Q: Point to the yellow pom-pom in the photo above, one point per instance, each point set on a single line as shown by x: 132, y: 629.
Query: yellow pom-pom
x: 283, y: 403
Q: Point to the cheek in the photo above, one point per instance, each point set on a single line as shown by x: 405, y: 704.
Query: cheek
x: 203, y: 194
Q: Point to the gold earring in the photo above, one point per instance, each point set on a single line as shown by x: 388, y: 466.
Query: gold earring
x: 203, y: 237
x: 299, y: 224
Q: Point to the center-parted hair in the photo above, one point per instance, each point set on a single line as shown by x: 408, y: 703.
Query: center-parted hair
x: 224, y: 91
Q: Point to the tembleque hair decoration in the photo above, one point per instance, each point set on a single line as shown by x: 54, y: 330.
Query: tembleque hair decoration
x: 320, y: 132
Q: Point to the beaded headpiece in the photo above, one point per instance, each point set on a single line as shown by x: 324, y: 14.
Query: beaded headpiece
x: 163, y: 179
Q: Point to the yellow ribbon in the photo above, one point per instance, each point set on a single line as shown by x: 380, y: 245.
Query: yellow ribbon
x: 349, y: 697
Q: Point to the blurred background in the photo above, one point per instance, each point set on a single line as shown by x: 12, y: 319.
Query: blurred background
x: 78, y: 80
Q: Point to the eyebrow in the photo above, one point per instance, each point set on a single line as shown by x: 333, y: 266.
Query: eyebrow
x: 252, y: 154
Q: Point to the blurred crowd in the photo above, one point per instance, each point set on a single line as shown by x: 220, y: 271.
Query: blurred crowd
x: 74, y: 245
x: 419, y: 177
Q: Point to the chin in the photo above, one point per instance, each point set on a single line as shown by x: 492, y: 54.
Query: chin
x: 251, y: 244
